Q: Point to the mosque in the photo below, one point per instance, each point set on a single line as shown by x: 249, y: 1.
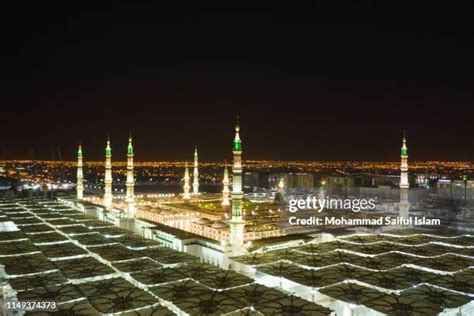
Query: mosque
x: 191, y: 220
x: 226, y: 223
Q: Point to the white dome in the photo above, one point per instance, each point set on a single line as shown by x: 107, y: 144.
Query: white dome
x: 219, y: 225
x: 203, y: 221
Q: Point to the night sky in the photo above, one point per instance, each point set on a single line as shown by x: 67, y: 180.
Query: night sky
x: 309, y: 82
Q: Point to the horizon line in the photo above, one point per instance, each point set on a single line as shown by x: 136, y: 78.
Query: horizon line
x: 248, y: 160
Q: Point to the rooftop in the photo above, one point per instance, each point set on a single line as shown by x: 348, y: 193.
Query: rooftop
x: 51, y: 252
x: 422, y: 273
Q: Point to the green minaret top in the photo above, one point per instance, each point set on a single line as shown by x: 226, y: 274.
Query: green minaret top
x: 404, y: 151
x: 195, y: 152
x: 79, y: 152
x: 237, y: 142
x: 108, y: 150
x: 130, y: 147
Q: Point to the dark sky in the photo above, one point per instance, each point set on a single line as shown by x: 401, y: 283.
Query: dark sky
x: 310, y: 82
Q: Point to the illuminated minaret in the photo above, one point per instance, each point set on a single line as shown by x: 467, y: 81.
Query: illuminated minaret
x: 130, y: 199
x: 404, y: 165
x: 236, y: 223
x: 186, y: 186
x: 108, y: 176
x: 225, y: 190
x: 195, y: 173
x: 80, y: 176
x: 404, y: 205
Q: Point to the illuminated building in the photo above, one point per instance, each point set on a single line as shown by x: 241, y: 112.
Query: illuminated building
x: 280, y: 195
x: 225, y: 190
x: 275, y: 180
x: 130, y: 199
x: 195, y: 173
x: 339, y: 182
x: 108, y: 176
x: 186, y: 186
x: 404, y: 165
x: 251, y: 180
x: 291, y: 180
x: 236, y: 223
x: 80, y: 176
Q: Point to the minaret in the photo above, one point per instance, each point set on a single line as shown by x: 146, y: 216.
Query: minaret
x: 195, y: 173
x: 130, y: 198
x: 186, y: 186
x: 236, y: 223
x: 404, y: 205
x: 108, y: 176
x: 404, y: 165
x: 80, y: 176
x: 225, y: 190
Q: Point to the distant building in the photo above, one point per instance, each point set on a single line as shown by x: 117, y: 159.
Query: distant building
x: 7, y: 187
x: 303, y: 180
x: 339, y: 182
x: 376, y: 180
x: 255, y: 180
x: 300, y: 180
x: 455, y: 190
x: 20, y: 173
x: 251, y: 180
x: 386, y: 180
x: 425, y: 180
x: 274, y: 180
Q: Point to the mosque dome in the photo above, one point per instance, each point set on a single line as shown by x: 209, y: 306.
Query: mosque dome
x: 203, y: 221
x: 219, y: 225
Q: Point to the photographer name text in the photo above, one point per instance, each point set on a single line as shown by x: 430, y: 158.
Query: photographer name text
x: 378, y: 221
